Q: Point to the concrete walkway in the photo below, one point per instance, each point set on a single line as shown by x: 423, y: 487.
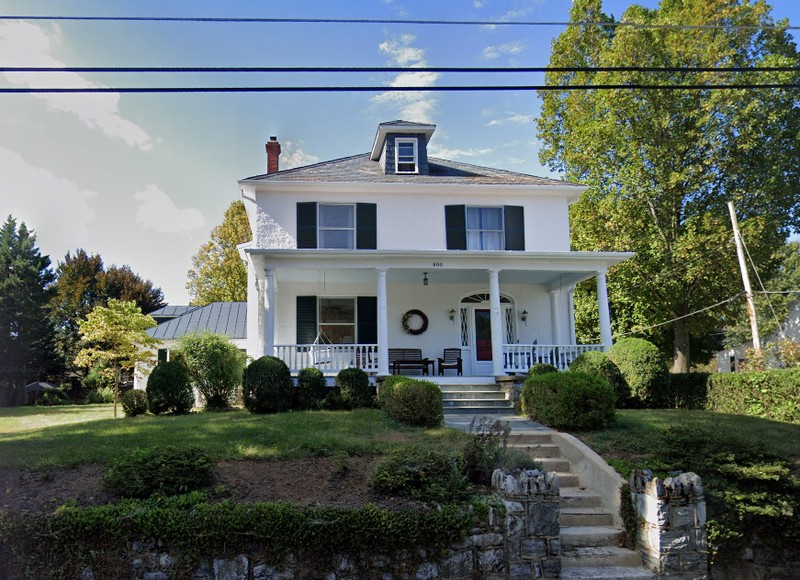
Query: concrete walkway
x: 519, y: 425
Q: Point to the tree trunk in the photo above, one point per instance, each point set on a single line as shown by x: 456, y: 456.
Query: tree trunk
x: 681, y: 354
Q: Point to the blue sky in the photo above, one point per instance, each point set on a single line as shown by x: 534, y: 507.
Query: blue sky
x: 142, y: 179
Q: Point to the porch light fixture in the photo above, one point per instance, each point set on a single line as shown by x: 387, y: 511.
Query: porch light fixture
x: 524, y: 316
x: 424, y: 278
x: 452, y: 315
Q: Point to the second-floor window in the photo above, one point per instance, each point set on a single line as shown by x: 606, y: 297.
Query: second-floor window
x: 406, y: 155
x: 337, y: 226
x: 485, y: 228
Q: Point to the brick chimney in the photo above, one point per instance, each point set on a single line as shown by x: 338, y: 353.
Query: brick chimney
x: 273, y: 152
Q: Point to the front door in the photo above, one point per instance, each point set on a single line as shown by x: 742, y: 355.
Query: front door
x: 483, y: 334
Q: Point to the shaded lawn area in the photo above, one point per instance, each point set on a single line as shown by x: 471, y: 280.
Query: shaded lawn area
x: 636, y: 437
x: 53, y: 437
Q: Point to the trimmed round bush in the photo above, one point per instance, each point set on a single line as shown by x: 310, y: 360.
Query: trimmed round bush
x: 310, y: 388
x: 569, y: 400
x: 169, y: 389
x: 644, y: 369
x: 413, y: 402
x: 267, y: 386
x: 599, y: 365
x: 355, y: 388
x: 134, y: 403
x: 541, y: 369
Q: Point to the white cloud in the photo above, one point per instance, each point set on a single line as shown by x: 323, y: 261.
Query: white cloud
x: 56, y: 208
x: 292, y: 155
x: 496, y: 51
x: 24, y: 44
x: 157, y: 212
x: 412, y: 106
x: 512, y: 118
x: 450, y: 153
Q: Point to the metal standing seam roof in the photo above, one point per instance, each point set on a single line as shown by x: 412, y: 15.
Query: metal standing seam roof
x: 361, y: 169
x: 225, y: 318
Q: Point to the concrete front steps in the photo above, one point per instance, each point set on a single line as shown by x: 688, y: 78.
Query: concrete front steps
x: 474, y: 399
x: 589, y: 536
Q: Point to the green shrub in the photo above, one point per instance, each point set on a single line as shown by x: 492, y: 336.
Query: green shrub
x: 569, y: 400
x: 644, y: 369
x: 487, y: 449
x: 542, y: 369
x: 169, y: 389
x: 134, y: 403
x: 687, y: 391
x: 768, y: 394
x: 268, y: 386
x: 54, y: 397
x: 598, y: 364
x: 104, y: 395
x: 423, y: 474
x: 333, y: 400
x: 355, y: 387
x: 215, y: 367
x: 310, y: 388
x: 164, y: 471
x: 413, y: 402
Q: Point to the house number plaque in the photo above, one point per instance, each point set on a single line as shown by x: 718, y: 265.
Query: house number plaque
x: 438, y: 264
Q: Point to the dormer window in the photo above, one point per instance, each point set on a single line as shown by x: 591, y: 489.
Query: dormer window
x: 406, y: 156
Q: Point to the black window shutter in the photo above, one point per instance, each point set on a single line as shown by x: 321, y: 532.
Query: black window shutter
x: 515, y: 227
x: 306, y: 319
x: 455, y: 218
x: 306, y: 224
x: 366, y: 226
x: 367, y: 307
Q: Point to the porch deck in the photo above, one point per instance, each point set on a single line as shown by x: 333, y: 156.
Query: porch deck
x: 331, y: 358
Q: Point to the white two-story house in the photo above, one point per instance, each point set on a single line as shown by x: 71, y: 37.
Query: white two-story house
x: 356, y: 257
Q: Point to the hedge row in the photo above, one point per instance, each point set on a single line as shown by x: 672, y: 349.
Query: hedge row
x: 766, y: 394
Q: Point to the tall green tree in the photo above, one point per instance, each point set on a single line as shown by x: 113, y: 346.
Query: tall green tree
x: 218, y: 273
x: 114, y: 339
x: 83, y: 283
x: 661, y: 164
x: 26, y: 351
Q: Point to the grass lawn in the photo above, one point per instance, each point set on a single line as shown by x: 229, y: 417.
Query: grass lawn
x: 61, y: 436
x: 636, y: 435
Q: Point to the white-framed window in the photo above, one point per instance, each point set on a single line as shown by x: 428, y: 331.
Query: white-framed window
x: 405, y: 155
x: 485, y: 228
x: 337, y: 320
x: 337, y: 226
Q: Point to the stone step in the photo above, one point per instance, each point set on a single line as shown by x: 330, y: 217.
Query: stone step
x: 469, y: 388
x: 575, y: 497
x: 530, y: 438
x: 501, y: 403
x: 585, y: 516
x: 602, y: 556
x: 538, y: 449
x: 476, y: 410
x: 591, y: 536
x: 554, y: 464
x: 451, y: 395
x: 567, y: 480
x: 596, y: 573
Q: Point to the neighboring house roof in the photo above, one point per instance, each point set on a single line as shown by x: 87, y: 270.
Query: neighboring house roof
x: 360, y: 169
x: 168, y: 312
x: 226, y: 318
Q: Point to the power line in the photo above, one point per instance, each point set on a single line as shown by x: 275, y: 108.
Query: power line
x: 389, y: 89
x: 243, y: 20
x: 337, y: 69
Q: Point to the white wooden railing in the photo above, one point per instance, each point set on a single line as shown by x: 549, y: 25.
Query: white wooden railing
x: 518, y: 358
x: 329, y: 358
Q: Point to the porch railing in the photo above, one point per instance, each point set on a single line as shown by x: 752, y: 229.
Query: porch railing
x: 329, y: 358
x: 518, y: 358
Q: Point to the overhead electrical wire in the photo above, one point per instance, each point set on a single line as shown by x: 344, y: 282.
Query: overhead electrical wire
x: 254, y: 20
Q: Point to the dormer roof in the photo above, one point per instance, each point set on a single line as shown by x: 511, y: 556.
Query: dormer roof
x: 404, y: 127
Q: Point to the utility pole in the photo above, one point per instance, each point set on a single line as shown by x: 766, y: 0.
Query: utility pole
x: 748, y: 292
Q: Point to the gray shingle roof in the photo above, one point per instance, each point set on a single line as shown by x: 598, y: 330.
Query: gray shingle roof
x: 227, y: 318
x: 360, y: 169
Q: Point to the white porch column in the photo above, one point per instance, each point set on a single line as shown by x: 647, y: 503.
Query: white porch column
x: 269, y: 312
x: 383, y: 325
x: 602, y: 307
x: 496, y: 323
x: 555, y: 316
x: 571, y: 305
x: 255, y: 314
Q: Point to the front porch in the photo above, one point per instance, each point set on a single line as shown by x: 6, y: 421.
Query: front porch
x: 332, y: 358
